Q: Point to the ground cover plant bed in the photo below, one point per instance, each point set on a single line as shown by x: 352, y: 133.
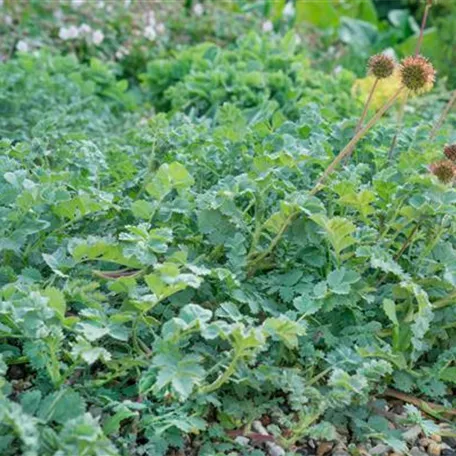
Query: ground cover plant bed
x: 218, y: 247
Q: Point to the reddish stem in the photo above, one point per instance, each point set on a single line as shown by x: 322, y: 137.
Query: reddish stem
x: 444, y: 114
x: 364, y: 114
x: 423, y: 24
x: 366, y: 106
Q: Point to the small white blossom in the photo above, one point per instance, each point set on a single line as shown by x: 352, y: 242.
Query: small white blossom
x: 22, y: 46
x: 97, y: 37
x: 338, y: 69
x: 77, y: 3
x: 150, y: 33
x: 100, y: 4
x: 298, y: 40
x: 69, y: 33
x: 198, y: 9
x: 161, y: 28
x: 121, y: 52
x: 8, y: 20
x: 289, y: 10
x: 84, y: 29
x: 151, y: 18
x: 268, y: 26
x: 58, y: 14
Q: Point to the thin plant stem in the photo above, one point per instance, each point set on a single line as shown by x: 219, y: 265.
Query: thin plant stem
x: 365, y: 110
x: 150, y: 165
x: 301, y: 428
x: 400, y: 115
x: 358, y: 136
x: 400, y: 118
x: 405, y: 246
x: 448, y: 300
x: 407, y: 242
x: 423, y: 24
x: 222, y: 379
x: 275, y: 240
x: 366, y: 106
x: 443, y: 116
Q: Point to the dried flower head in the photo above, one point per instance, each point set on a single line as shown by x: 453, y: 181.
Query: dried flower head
x: 450, y: 152
x: 417, y: 74
x: 445, y: 170
x: 381, y: 66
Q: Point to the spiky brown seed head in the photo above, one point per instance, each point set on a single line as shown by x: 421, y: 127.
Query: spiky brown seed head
x: 417, y: 74
x: 381, y: 66
x: 450, y: 152
x: 445, y: 170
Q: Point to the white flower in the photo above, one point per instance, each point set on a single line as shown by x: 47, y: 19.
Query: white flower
x: 77, y: 3
x: 97, y: 37
x: 151, y: 18
x: 100, y: 4
x: 22, y: 46
x: 150, y: 33
x: 268, y: 26
x: 69, y: 33
x: 8, y: 19
x: 161, y: 28
x: 289, y: 10
x: 121, y: 52
x: 84, y: 29
x: 298, y: 40
x: 198, y: 9
x: 58, y: 14
x: 338, y: 69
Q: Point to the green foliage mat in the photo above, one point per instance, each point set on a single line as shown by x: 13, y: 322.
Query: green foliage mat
x: 166, y: 278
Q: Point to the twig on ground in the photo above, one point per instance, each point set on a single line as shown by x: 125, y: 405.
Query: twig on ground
x: 431, y: 409
x: 273, y: 448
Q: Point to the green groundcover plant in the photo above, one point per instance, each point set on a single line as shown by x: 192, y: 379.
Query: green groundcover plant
x: 168, y: 276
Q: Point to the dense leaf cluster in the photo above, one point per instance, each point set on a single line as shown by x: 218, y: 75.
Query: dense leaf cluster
x: 167, y: 278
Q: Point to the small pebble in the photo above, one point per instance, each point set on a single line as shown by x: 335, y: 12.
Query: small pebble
x: 436, y: 437
x: 340, y: 450
x: 450, y: 441
x: 379, y: 450
x: 424, y: 442
x: 415, y: 451
x: 324, y: 448
x: 241, y: 440
x: 340, y: 453
x: 361, y: 451
x: 412, y: 434
x: 434, y: 449
x: 448, y: 452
